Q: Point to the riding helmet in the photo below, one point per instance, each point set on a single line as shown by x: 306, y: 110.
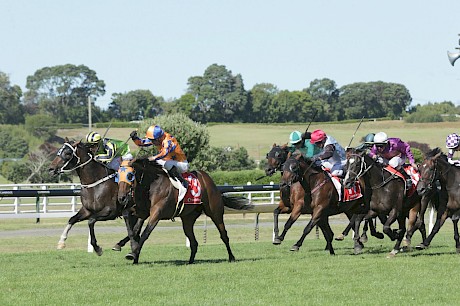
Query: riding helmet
x: 295, y: 137
x: 380, y: 137
x: 317, y: 136
x: 369, y: 138
x: 93, y: 137
x: 452, y: 141
x: 154, y: 132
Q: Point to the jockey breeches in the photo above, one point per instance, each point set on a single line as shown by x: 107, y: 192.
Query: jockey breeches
x: 168, y: 164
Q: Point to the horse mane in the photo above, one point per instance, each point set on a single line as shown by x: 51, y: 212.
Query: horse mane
x: 147, y: 171
x: 433, y: 152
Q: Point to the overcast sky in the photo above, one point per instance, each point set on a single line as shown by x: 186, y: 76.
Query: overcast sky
x: 158, y: 45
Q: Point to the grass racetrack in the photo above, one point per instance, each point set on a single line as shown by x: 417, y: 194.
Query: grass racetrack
x: 33, y: 272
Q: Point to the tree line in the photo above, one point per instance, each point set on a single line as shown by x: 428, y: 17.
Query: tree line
x: 62, y: 93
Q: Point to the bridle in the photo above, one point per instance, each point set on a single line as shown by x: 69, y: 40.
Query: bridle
x: 363, y: 169
x: 280, y: 156
x: 78, y: 163
x: 127, y: 175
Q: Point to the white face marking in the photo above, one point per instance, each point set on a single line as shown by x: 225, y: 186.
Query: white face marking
x: 351, y: 160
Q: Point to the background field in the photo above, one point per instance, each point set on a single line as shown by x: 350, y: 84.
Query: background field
x: 258, y: 138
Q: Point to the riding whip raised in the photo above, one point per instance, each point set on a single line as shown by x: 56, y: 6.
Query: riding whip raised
x: 352, y: 137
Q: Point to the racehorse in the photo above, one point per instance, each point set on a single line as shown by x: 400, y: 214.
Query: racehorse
x: 155, y: 198
x: 388, y: 195
x: 321, y: 200
x: 293, y: 204
x: 436, y: 167
x: 98, y: 188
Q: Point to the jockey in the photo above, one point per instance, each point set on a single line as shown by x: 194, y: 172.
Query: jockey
x: 170, y: 155
x: 452, y: 143
x: 298, y: 143
x: 393, y: 152
x: 332, y: 155
x: 108, y: 151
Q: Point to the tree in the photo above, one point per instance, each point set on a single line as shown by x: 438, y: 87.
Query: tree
x: 134, y: 105
x: 261, y: 96
x: 325, y: 91
x: 63, y: 91
x: 11, y: 145
x: 11, y: 110
x: 220, y: 96
x: 42, y: 126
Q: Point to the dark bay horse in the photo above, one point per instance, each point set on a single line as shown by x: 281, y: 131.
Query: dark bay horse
x: 388, y: 195
x: 321, y: 201
x: 155, y: 199
x: 294, y: 204
x: 436, y: 167
x: 98, y: 188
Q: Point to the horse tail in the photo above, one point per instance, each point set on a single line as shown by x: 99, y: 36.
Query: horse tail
x: 238, y: 203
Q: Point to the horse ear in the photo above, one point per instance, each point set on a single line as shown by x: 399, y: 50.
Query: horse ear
x: 437, y: 155
x: 274, y: 145
x: 66, y: 139
x: 289, y: 155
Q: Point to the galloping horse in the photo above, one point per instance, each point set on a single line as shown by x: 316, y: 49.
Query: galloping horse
x: 155, y: 198
x: 98, y: 188
x: 322, y: 201
x: 293, y: 204
x: 388, y: 194
x: 436, y: 167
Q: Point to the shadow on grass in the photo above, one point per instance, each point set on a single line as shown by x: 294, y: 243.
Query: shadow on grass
x: 166, y: 263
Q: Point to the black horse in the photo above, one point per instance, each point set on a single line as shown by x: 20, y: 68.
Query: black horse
x: 155, y: 199
x: 436, y: 167
x: 388, y: 194
x: 321, y: 201
x: 98, y: 189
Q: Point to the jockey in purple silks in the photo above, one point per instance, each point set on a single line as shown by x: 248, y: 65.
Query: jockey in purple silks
x: 453, y: 144
x: 393, y: 152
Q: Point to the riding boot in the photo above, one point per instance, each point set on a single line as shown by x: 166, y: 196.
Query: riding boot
x: 175, y: 174
x: 407, y: 177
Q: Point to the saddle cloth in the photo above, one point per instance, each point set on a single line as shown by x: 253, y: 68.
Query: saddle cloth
x: 414, y: 175
x: 193, y: 194
x: 346, y: 194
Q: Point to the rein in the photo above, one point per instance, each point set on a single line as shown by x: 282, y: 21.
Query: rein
x: 363, y: 170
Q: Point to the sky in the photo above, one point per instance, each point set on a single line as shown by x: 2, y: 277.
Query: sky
x: 158, y: 45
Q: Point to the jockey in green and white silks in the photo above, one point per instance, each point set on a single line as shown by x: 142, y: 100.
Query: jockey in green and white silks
x: 332, y: 155
x: 108, y: 151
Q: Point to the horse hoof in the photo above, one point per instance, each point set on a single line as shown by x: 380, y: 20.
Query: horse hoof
x: 61, y: 245
x: 379, y: 235
x: 294, y: 248
x: 340, y: 237
x: 358, y: 251
x: 99, y: 252
x: 276, y: 241
x: 129, y: 256
x: 458, y: 250
x: 405, y: 243
x: 363, y: 238
x: 392, y: 254
x: 116, y: 248
x: 421, y: 246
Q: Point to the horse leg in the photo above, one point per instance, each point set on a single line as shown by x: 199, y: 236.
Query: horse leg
x: 328, y: 234
x: 295, y: 214
x: 279, y: 210
x: 399, y: 235
x: 97, y: 248
x: 81, y: 215
x: 411, y: 227
x: 313, y: 221
x: 358, y: 245
x: 134, y: 255
x: 347, y: 229
x: 187, y: 225
x: 437, y: 226
x: 386, y: 227
x: 456, y: 235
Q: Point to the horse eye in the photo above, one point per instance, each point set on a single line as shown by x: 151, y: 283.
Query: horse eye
x: 130, y: 176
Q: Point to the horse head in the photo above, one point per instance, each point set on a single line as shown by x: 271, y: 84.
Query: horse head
x: 70, y: 156
x: 354, y: 167
x: 429, y: 172
x: 291, y: 171
x: 126, y: 182
x: 275, y: 159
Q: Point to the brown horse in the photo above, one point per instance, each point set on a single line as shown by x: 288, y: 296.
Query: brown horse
x: 321, y: 201
x: 98, y: 188
x: 436, y: 167
x: 294, y: 204
x: 155, y: 198
x: 388, y: 195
